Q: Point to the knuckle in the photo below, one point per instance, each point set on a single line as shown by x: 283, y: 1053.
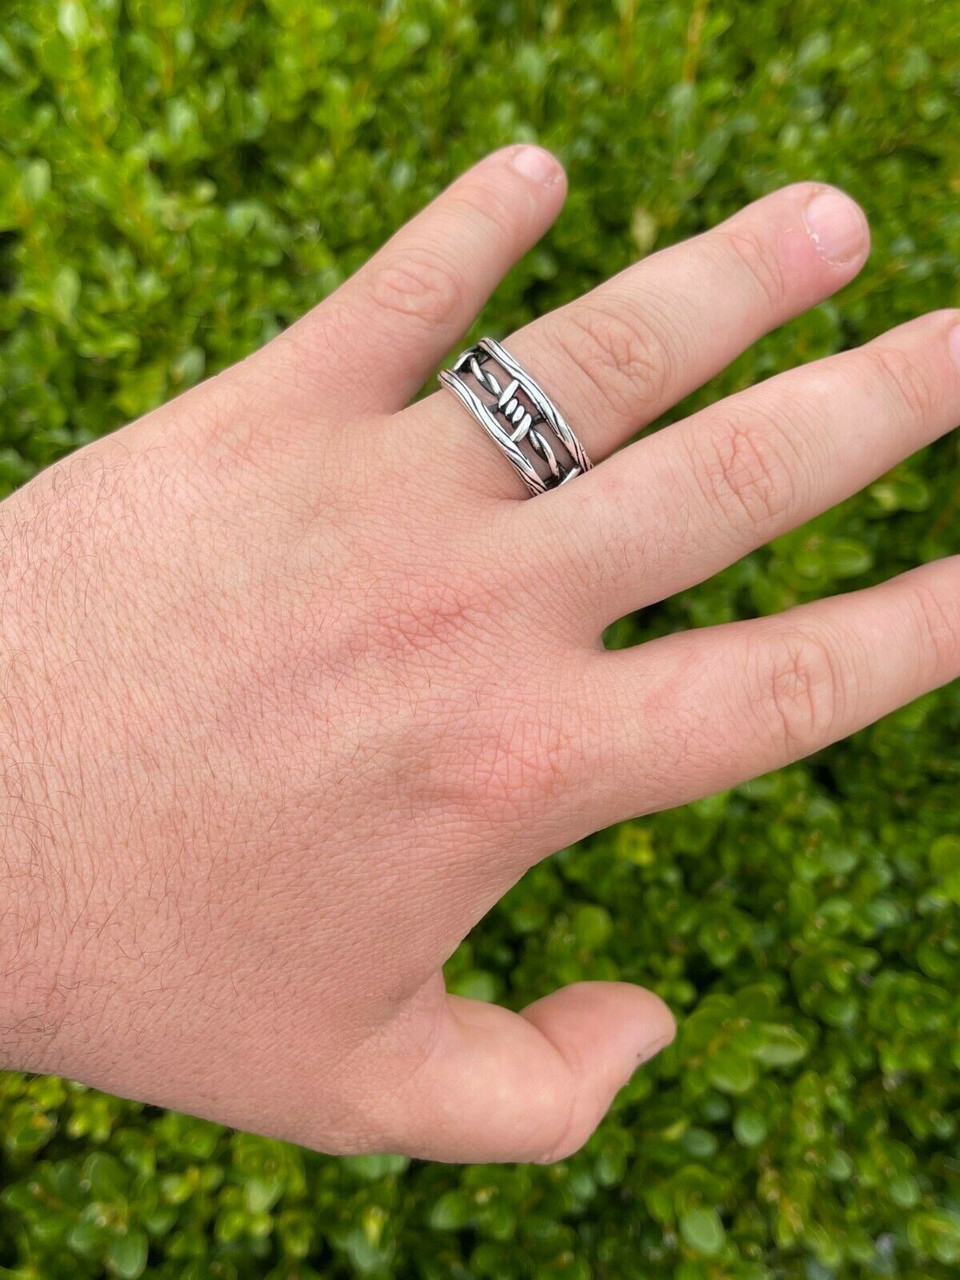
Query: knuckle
x: 904, y: 380
x: 938, y: 623
x: 757, y: 255
x: 486, y: 205
x: 419, y: 616
x: 800, y: 691
x: 289, y: 364
x: 524, y: 758
x: 492, y: 769
x: 421, y: 286
x: 626, y: 359
x: 745, y: 471
x: 489, y: 750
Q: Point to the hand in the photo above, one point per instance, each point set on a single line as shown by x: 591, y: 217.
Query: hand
x: 296, y: 684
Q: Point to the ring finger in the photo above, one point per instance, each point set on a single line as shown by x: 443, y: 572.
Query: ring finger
x: 619, y: 356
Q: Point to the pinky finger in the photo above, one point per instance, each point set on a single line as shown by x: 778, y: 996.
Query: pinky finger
x: 693, y: 713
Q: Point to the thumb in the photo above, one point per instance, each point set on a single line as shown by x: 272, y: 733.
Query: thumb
x: 530, y: 1086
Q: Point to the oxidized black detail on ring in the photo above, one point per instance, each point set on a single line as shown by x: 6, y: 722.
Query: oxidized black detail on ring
x: 526, y: 426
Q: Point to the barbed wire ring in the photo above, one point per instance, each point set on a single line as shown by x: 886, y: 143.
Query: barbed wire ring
x: 522, y: 421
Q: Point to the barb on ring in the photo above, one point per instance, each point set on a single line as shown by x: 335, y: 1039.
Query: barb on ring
x: 518, y: 417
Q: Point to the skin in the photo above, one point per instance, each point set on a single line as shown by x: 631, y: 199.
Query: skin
x: 296, y: 683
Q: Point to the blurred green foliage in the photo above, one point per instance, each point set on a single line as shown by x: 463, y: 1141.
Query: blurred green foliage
x: 181, y: 178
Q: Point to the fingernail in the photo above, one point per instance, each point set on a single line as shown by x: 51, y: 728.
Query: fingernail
x: 536, y: 164
x: 953, y: 342
x: 836, y: 226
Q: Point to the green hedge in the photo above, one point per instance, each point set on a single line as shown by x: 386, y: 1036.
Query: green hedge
x: 179, y: 180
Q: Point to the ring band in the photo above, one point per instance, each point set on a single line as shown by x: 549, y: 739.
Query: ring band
x: 517, y: 416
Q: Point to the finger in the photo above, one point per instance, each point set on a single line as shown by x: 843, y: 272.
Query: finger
x: 687, y: 501
x: 692, y: 713
x: 531, y: 1086
x: 616, y: 358
x: 372, y: 344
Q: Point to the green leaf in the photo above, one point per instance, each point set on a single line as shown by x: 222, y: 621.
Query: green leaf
x: 749, y: 1127
x: 936, y: 1234
x: 65, y: 293
x: 451, y: 1211
x: 374, y: 1167
x: 592, y: 926
x: 475, y: 984
x: 703, y: 1231
x: 846, y: 558
x: 731, y: 1072
x: 127, y: 1255
x: 72, y: 21
x: 780, y: 1046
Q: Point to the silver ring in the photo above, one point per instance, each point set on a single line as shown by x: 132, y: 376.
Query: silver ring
x: 517, y: 416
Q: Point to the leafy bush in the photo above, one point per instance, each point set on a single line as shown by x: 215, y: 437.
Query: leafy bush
x: 180, y: 179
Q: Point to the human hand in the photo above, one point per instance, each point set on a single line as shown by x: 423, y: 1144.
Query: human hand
x: 295, y: 687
